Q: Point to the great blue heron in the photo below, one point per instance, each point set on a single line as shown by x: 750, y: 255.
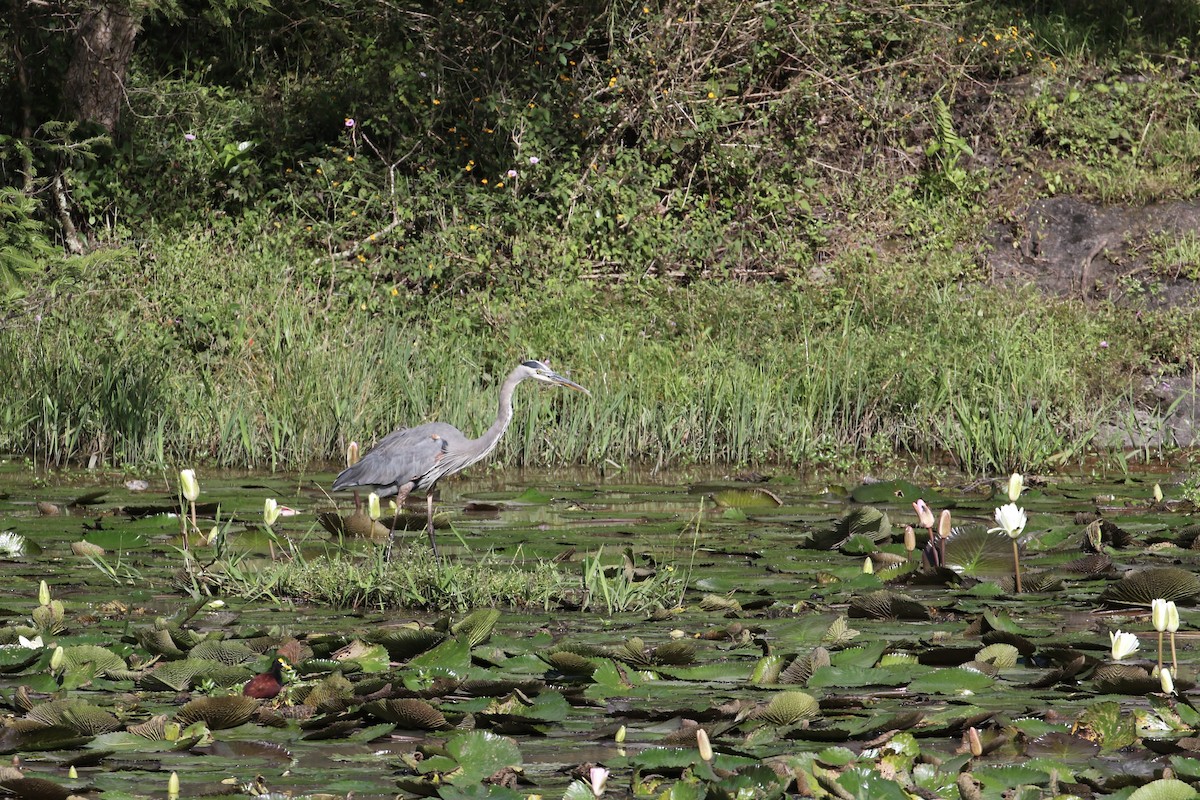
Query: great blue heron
x: 408, y: 459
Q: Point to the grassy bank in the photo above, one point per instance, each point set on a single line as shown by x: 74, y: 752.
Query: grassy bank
x: 148, y: 361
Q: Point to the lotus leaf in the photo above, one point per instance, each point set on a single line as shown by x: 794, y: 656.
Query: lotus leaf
x: 79, y: 716
x: 476, y: 628
x: 1142, y: 587
x: 788, y: 708
x: 408, y: 713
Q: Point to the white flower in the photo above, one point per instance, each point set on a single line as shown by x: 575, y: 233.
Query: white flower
x: 1123, y: 644
x: 12, y: 545
x: 1010, y: 519
x: 924, y: 513
x: 1172, y: 616
x: 597, y: 777
x: 270, y: 511
x: 191, y: 487
x: 1158, y: 614
x: 1016, y: 483
x: 30, y: 644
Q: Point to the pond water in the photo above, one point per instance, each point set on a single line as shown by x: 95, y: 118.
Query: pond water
x: 804, y: 671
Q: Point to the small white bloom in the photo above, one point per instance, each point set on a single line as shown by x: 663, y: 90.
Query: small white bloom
x: 1010, y: 519
x: 1158, y: 493
x: 12, y: 545
x: 270, y: 511
x: 30, y: 644
x: 1016, y: 483
x: 597, y: 777
x: 1158, y: 614
x: 1172, y: 616
x: 1123, y: 644
x: 191, y: 487
x: 1168, y: 683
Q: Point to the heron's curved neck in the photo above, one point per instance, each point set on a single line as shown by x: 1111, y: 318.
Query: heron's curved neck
x: 503, y: 414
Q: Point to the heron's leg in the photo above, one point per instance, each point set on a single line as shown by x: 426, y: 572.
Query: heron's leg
x: 401, y: 494
x: 429, y: 517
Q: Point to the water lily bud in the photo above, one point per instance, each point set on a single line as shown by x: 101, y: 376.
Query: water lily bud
x: 910, y: 538
x: 1158, y: 495
x: 597, y: 777
x: 173, y: 785
x: 191, y: 487
x: 1010, y: 519
x: 270, y: 511
x: 1167, y: 682
x: 72, y: 773
x: 677, y: 634
x: 214, y: 534
x: 706, y: 751
x: 56, y: 660
x: 1016, y: 483
x: 619, y: 738
x: 868, y: 567
x: 352, y: 454
x: 974, y: 743
x: 1123, y: 644
x: 924, y: 514
x: 944, y: 527
x: 43, y: 594
x: 373, y: 505
x: 1158, y: 614
x: 1172, y: 616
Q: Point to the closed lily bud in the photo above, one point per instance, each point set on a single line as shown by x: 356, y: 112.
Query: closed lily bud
x: 597, y: 778
x: 72, y: 773
x: 1158, y: 495
x: 974, y: 743
x: 191, y: 487
x: 1016, y: 484
x: 352, y: 454
x: 944, y: 527
x: 924, y: 514
x: 910, y: 538
x: 868, y: 566
x: 1167, y: 682
x: 619, y: 738
x: 173, y: 785
x: 43, y: 594
x: 56, y: 660
x: 706, y: 751
x: 1123, y: 644
x: 373, y: 505
x: 1172, y: 616
x: 1158, y: 614
x: 270, y: 511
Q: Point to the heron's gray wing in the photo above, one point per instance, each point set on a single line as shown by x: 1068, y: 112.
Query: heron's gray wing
x: 401, y: 457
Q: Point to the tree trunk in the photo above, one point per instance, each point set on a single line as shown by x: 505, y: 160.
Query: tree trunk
x: 95, y: 82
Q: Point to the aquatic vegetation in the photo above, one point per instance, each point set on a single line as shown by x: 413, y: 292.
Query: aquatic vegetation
x: 761, y: 660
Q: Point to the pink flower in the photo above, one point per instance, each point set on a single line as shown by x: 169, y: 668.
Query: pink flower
x: 534, y: 159
x: 191, y: 137
x: 349, y: 122
x: 1104, y: 345
x: 512, y: 173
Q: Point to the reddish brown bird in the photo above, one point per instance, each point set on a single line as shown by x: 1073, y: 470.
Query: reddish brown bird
x: 269, y: 683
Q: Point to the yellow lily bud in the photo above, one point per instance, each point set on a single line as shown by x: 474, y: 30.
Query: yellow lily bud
x: 173, y: 785
x: 43, y: 594
x: 706, y: 751
x: 868, y: 567
x: 373, y: 505
x: 1167, y: 682
x: 1158, y: 495
x: 56, y: 660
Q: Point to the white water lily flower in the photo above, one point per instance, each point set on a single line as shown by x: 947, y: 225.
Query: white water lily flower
x: 191, y: 487
x: 1016, y: 483
x: 1123, y: 644
x: 1172, y: 616
x: 1010, y: 519
x: 270, y: 511
x: 31, y: 644
x: 12, y: 545
x: 1158, y: 614
x: 924, y: 513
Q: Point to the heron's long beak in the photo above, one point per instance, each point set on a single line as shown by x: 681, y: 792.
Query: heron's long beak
x: 561, y: 381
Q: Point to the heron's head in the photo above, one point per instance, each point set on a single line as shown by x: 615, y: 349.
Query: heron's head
x: 541, y: 371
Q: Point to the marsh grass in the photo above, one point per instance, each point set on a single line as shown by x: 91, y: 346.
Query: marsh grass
x: 711, y: 373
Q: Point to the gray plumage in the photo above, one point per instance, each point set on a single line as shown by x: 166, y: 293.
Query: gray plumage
x: 411, y: 459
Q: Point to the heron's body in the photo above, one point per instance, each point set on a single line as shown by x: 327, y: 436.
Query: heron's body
x: 411, y: 459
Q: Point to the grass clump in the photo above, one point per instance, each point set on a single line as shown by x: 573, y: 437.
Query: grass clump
x: 414, y: 580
